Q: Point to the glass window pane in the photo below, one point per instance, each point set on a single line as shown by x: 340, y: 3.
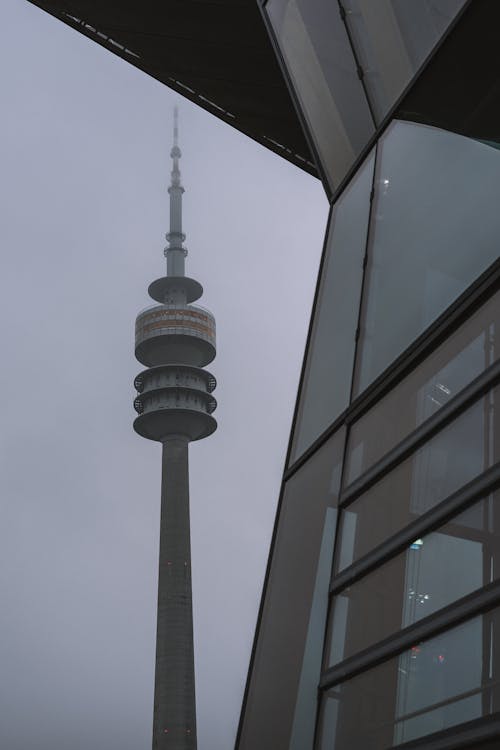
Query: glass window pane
x: 282, y: 696
x: 435, y: 229
x: 451, y: 459
x: 319, y: 59
x: 461, y: 358
x: 460, y: 557
x: 328, y: 375
x: 392, y: 38
x: 442, y: 682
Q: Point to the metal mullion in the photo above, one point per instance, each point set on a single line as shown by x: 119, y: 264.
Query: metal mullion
x: 445, y: 619
x: 359, y: 68
x: 446, y: 414
x: 459, y: 737
x: 442, y: 703
x: 346, y: 437
x: 433, y: 519
x: 368, y: 239
x: 365, y: 262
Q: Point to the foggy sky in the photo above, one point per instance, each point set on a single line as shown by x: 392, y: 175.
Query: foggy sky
x: 85, y: 166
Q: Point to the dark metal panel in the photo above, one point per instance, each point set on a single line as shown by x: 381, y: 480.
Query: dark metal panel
x: 214, y: 52
x: 465, y: 93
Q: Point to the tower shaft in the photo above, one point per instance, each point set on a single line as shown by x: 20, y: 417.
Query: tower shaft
x: 175, y: 340
x: 174, y: 724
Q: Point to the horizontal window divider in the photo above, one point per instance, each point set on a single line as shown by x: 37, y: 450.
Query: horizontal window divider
x: 459, y: 311
x: 445, y: 702
x: 430, y: 521
x: 463, y: 609
x: 447, y: 413
x: 459, y: 737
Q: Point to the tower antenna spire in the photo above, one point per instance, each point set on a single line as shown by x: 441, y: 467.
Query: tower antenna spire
x: 175, y: 252
x: 176, y: 126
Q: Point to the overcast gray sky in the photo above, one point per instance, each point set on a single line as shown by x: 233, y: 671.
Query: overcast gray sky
x: 84, y: 149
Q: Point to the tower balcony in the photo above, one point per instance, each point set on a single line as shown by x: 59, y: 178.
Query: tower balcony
x: 174, y: 410
x: 167, y: 334
x: 168, y: 376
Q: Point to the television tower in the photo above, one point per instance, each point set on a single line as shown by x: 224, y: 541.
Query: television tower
x: 175, y: 340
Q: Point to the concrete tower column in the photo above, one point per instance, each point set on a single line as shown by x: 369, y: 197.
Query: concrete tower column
x: 174, y: 726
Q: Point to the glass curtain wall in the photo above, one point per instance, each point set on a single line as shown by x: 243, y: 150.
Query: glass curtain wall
x: 287, y: 661
x: 318, y: 56
x: 391, y: 40
x: 435, y: 570
x: 431, y: 229
x: 349, y: 62
x: 467, y: 353
x: 326, y: 388
x: 435, y: 229
x: 436, y: 684
x: 392, y: 492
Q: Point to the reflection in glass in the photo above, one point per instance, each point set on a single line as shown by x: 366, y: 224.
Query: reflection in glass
x: 392, y: 38
x: 451, y: 459
x: 461, y: 358
x: 443, y: 566
x: 282, y: 694
x: 435, y: 230
x: 445, y: 681
x: 319, y: 60
x: 328, y: 375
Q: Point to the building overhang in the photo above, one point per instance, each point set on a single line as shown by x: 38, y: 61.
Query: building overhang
x: 216, y: 53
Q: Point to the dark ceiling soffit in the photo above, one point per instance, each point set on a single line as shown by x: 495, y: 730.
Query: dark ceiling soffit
x: 460, y: 89
x: 227, y: 66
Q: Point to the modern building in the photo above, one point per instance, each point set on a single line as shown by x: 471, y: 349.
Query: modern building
x: 175, y: 339
x: 379, y: 625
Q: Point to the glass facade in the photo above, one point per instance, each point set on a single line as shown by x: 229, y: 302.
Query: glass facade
x: 329, y: 364
x: 430, y: 386
x: 391, y: 39
x: 447, y: 680
x: 435, y: 229
x: 441, y: 567
x: 399, y: 401
x: 287, y: 662
x: 349, y: 61
x: 447, y: 462
x: 318, y: 56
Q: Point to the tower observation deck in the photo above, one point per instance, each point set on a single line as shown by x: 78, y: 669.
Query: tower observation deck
x: 175, y: 340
